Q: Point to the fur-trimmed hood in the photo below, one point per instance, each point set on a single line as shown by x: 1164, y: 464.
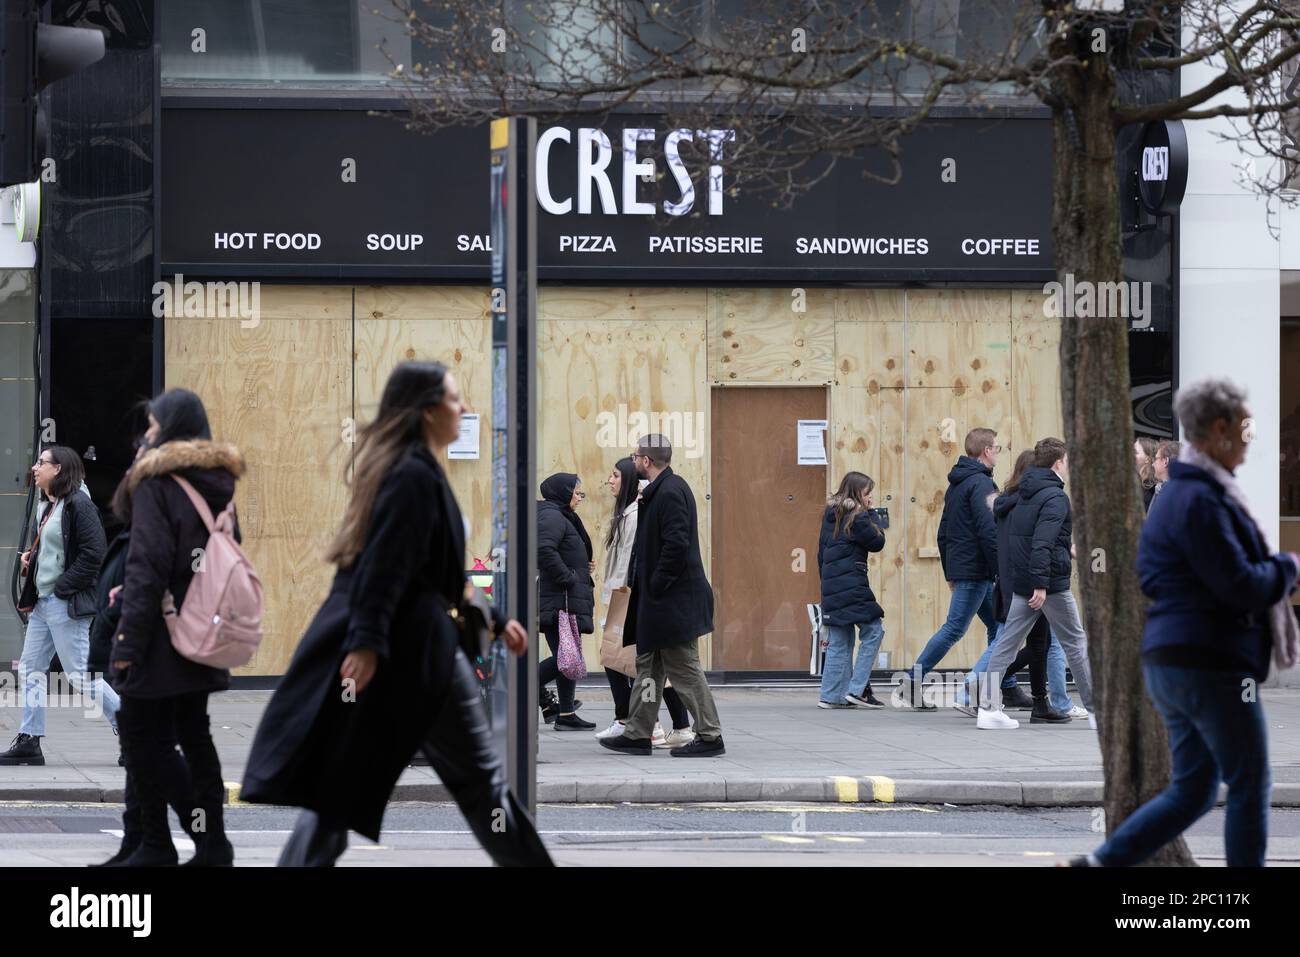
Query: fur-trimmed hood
x: 187, y: 454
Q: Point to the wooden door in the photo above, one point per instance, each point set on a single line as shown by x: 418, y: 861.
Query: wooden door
x: 766, y: 516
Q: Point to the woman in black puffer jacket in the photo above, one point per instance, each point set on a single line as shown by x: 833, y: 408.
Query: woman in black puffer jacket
x: 849, y: 533
x: 564, y: 564
x: 164, y: 695
x: 1038, y: 644
x: 175, y: 772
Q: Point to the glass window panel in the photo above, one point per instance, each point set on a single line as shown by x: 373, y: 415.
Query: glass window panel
x: 286, y: 41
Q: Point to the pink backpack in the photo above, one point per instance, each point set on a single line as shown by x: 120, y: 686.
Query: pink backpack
x: 220, y: 623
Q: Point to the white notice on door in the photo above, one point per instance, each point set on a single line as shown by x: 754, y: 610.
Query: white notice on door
x: 466, y: 445
x: 812, y: 441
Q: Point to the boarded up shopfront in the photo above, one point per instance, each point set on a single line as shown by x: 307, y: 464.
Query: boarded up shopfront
x: 900, y: 375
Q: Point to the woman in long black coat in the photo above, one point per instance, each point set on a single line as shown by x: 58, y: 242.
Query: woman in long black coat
x: 564, y: 565
x: 379, y: 673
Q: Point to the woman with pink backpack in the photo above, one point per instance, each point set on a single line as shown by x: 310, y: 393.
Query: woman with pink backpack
x: 164, y: 694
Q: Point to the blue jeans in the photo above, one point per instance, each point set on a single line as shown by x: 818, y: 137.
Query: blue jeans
x: 836, y: 680
x: 1057, y: 696
x: 969, y: 598
x: 1213, y: 734
x: 50, y: 631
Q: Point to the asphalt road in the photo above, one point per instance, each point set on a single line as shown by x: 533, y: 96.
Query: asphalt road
x: 418, y: 834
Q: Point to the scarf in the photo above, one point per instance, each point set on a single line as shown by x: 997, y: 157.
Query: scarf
x: 1281, y: 619
x: 558, y: 489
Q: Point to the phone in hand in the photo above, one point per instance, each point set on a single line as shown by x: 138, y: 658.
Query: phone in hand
x: 881, y: 516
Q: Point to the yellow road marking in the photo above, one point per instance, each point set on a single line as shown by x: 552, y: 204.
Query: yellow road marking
x: 787, y: 839
x: 882, y: 788
x: 846, y: 789
x: 232, y: 793
x: 846, y: 840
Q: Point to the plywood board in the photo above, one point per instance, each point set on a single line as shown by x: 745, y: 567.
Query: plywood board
x: 964, y: 305
x: 962, y: 355
x: 1036, y: 381
x: 604, y: 382
x: 867, y: 436
x: 447, y: 324
x: 937, y: 423
x: 870, y: 355
x: 755, y: 335
x: 870, y: 305
x: 601, y: 304
x: 281, y: 391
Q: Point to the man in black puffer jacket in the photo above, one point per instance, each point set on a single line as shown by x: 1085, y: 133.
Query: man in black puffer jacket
x: 968, y: 550
x: 1041, y: 560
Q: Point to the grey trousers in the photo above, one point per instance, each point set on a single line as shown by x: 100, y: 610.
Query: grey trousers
x: 681, y: 665
x: 1063, y: 615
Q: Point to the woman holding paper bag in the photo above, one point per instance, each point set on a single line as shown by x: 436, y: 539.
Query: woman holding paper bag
x: 620, y: 662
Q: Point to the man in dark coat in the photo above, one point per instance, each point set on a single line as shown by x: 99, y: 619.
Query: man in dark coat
x: 670, y: 608
x: 968, y: 551
x: 1041, y: 560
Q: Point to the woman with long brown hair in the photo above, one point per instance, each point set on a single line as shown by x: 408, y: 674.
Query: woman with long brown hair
x: 379, y: 673
x: 849, y: 533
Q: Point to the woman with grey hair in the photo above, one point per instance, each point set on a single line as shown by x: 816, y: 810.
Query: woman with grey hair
x: 1219, y: 609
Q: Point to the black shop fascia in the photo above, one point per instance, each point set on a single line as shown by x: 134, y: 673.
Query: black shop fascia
x: 345, y: 195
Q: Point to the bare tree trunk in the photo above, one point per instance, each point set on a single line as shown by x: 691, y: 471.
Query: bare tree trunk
x: 1103, y: 486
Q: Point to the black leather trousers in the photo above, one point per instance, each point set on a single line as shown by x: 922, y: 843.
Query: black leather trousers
x: 459, y: 749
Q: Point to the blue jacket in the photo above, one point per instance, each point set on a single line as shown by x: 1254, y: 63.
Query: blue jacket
x: 1210, y: 577
x: 847, y: 598
x: 968, y: 544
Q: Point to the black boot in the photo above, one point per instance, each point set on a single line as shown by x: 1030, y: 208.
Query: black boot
x: 211, y: 847
x: 155, y: 848
x: 312, y: 843
x: 151, y: 855
x: 1014, y: 699
x: 25, y: 749
x: 1043, y: 713
x: 126, y: 850
x: 130, y: 826
x: 550, y: 707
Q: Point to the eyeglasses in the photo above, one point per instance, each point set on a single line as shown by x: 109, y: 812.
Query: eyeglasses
x: 580, y: 494
x: 996, y: 448
x: 40, y: 462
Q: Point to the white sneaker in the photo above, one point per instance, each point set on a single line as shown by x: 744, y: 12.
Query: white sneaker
x: 990, y: 720
x: 1092, y: 720
x: 613, y: 731
x: 1078, y: 711
x: 676, y: 738
x: 658, y: 737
